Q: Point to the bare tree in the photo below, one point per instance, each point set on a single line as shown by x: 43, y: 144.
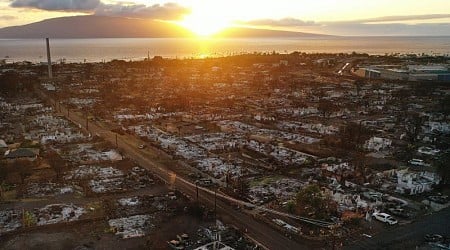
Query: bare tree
x: 358, y: 85
x: 327, y: 107
x: 3, y: 175
x: 24, y: 168
x: 413, y: 126
x: 56, y: 162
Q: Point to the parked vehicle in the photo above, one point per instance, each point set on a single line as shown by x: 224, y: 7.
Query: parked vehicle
x: 176, y: 245
x: 400, y: 212
x: 433, y: 237
x: 291, y: 228
x: 386, y: 218
x: 441, y: 199
x: 204, y: 182
x: 428, y: 151
x: 373, y: 196
x: 418, y: 162
x: 279, y: 222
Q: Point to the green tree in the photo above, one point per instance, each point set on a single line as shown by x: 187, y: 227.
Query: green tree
x: 353, y: 135
x: 444, y: 105
x: 3, y: 171
x: 413, y: 126
x: 443, y: 168
x: 290, y: 206
x: 327, y: 107
x: 29, y: 219
x: 3, y: 175
x: 241, y: 186
x: 311, y: 201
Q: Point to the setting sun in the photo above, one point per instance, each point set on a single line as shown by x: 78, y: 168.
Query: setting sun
x: 204, y: 23
x: 203, y: 27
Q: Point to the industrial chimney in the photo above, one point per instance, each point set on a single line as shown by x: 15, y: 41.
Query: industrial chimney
x: 49, y: 60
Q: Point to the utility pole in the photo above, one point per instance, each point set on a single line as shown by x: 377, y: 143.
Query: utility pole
x: 49, y: 60
x: 23, y: 217
x: 117, y: 145
x: 228, y: 170
x: 196, y: 189
x: 87, y: 123
x: 172, y: 180
x: 215, y: 204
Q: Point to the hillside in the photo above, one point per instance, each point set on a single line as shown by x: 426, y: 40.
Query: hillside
x: 119, y: 27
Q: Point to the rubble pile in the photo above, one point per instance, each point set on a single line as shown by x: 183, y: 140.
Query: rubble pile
x: 56, y: 213
x: 46, y: 189
x: 86, y: 153
x: 10, y: 220
x: 108, y: 179
x: 131, y: 227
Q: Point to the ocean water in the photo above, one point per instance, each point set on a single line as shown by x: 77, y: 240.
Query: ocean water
x: 106, y: 49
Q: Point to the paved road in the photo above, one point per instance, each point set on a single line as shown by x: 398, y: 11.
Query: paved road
x: 266, y: 236
x: 407, y: 236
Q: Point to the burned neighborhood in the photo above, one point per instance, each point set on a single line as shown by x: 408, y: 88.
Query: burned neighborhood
x: 322, y: 151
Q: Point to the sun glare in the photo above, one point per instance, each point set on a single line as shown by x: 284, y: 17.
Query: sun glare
x: 205, y: 24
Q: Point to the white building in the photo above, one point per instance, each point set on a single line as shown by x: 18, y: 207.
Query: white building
x: 441, y: 127
x: 378, y: 144
x: 415, y: 183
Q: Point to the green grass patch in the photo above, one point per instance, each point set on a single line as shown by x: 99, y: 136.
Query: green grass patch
x: 265, y: 180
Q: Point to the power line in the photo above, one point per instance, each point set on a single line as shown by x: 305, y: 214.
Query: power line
x: 316, y: 222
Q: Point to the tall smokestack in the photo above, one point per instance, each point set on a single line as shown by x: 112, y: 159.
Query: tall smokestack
x: 49, y: 60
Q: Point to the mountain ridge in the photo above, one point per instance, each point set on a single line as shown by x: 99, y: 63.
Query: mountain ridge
x: 92, y: 26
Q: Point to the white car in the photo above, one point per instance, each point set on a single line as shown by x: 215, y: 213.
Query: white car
x: 428, y: 151
x: 418, y: 162
x: 386, y: 218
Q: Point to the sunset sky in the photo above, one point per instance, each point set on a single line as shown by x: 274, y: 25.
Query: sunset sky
x: 343, y: 17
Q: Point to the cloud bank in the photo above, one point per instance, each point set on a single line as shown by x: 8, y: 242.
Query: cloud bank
x: 401, y: 18
x: 7, y: 17
x: 57, y: 5
x: 167, y: 11
x: 380, y: 26
x: 284, y: 22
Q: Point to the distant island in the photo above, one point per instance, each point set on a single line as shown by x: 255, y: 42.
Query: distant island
x: 119, y: 27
